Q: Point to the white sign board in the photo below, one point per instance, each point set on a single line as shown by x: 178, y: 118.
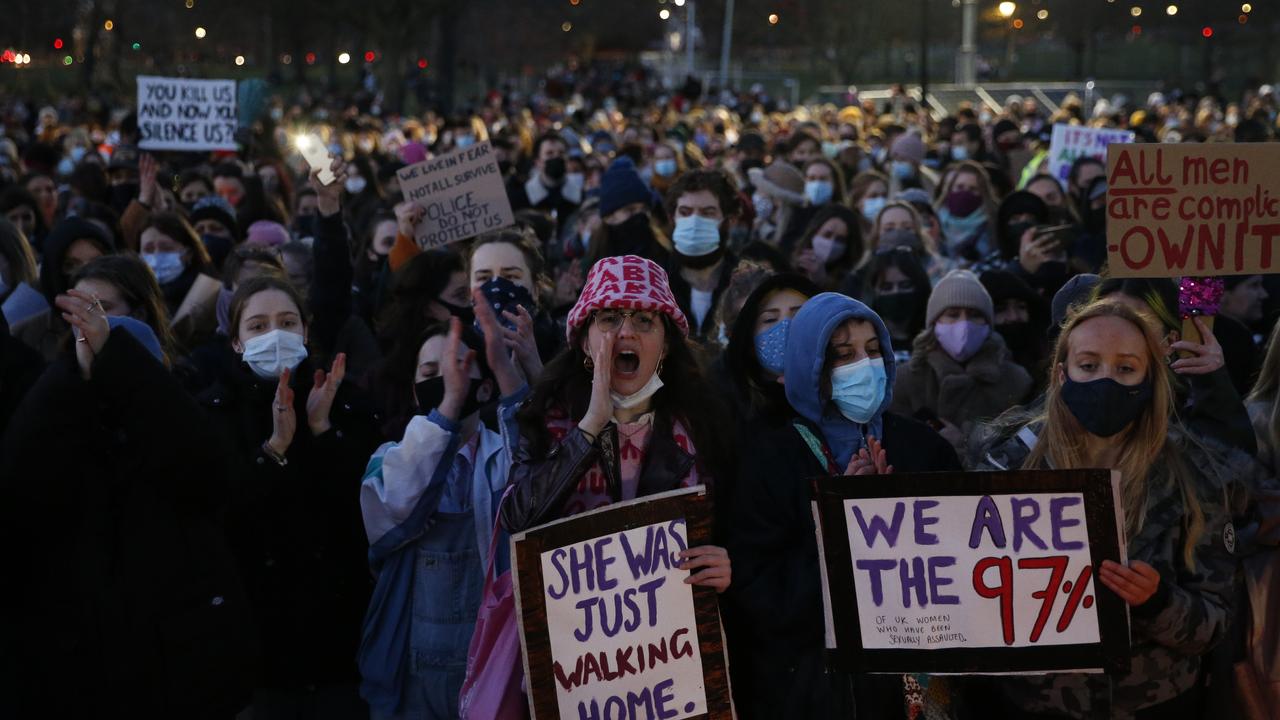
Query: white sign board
x: 186, y: 114
x: 1073, y: 141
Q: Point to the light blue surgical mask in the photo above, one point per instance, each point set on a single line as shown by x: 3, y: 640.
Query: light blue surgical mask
x: 903, y: 170
x: 696, y: 236
x: 857, y: 389
x: 818, y: 192
x: 871, y: 207
x: 166, y: 265
x: 959, y: 153
x: 77, y: 153
x: 771, y: 346
x: 664, y: 168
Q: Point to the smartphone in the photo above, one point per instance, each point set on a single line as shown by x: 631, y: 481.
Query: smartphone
x: 313, y: 150
x: 1061, y: 234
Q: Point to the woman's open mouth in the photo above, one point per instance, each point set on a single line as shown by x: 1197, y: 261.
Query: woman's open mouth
x: 626, y: 363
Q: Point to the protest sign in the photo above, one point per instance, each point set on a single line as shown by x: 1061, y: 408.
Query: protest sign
x: 972, y: 572
x: 462, y: 193
x: 186, y: 114
x: 1193, y: 209
x: 1070, y: 142
x: 608, y: 626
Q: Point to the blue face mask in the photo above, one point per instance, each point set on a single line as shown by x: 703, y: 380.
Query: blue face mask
x: 959, y: 152
x: 903, y: 170
x: 664, y: 168
x: 771, y: 346
x: 696, y: 236
x: 818, y: 192
x: 857, y: 389
x: 166, y: 265
x: 871, y: 207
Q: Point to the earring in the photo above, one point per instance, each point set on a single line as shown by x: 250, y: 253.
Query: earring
x: 588, y: 363
x: 659, y: 370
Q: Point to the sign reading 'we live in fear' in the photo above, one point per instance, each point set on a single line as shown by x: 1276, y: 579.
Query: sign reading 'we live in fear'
x: 1193, y: 209
x: 462, y: 194
x: 608, y: 626
x: 971, y: 573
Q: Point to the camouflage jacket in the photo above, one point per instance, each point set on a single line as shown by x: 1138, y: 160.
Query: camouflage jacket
x: 1186, y: 617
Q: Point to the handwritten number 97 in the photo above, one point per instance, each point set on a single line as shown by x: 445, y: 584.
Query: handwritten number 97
x: 1003, y: 591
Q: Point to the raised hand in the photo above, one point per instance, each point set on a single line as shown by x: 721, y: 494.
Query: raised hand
x: 600, y: 409
x: 329, y: 197
x: 496, y: 349
x: 323, y: 390
x: 148, y: 188
x: 89, y: 322
x: 1205, y: 356
x: 523, y: 343
x: 456, y: 370
x: 283, y: 420
x: 408, y: 215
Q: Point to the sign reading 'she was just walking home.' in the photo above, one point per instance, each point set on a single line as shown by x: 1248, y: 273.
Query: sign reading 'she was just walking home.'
x: 608, y: 626
x: 186, y: 114
x: 973, y: 572
x: 462, y: 193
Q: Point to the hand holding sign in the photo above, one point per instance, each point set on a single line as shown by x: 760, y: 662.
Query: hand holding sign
x: 717, y: 573
x: 408, y: 215
x: 1136, y: 583
x: 462, y: 195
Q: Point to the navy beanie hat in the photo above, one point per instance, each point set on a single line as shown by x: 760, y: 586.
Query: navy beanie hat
x: 621, y: 186
x: 140, y: 331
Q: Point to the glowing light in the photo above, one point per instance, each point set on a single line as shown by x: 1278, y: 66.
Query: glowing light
x: 566, y: 26
x: 422, y: 63
x: 1207, y: 31
x: 1243, y: 19
x: 310, y: 58
x: 773, y: 19
x: 190, y: 4
x: 344, y: 58
x: 57, y: 43
x: 1171, y: 10
x: 679, y: 3
x: 664, y: 14
x: 108, y: 26
x: 1135, y: 11
x: 67, y: 60
x: 200, y: 33
x: 136, y: 46
x: 1017, y: 24
x: 1007, y: 9
x: 1246, y: 8
x: 287, y: 59
x: 369, y: 56
x: 1042, y: 15
x: 239, y: 60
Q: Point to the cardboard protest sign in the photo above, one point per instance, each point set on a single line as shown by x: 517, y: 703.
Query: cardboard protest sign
x: 186, y: 114
x: 1070, y: 142
x: 1193, y: 209
x: 972, y: 572
x: 608, y: 627
x: 462, y: 193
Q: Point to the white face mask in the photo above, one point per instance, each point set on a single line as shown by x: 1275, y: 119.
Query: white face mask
x: 626, y: 402
x: 354, y: 184
x: 270, y: 354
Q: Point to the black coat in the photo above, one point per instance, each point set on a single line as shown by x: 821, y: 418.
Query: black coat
x: 775, y: 602
x: 121, y: 596
x: 296, y: 529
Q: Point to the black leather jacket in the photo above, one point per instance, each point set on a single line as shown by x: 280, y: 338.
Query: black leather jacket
x: 542, y: 485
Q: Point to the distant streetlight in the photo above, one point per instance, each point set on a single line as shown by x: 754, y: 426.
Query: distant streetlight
x: 239, y: 60
x: 1007, y: 9
x: 1171, y: 10
x: 190, y: 4
x: 200, y: 33
x: 773, y: 19
x: 566, y: 26
x: 344, y: 58
x: 1135, y: 11
x: 679, y: 3
x: 108, y: 26
x: 1043, y: 15
x: 664, y: 14
x: 1246, y: 8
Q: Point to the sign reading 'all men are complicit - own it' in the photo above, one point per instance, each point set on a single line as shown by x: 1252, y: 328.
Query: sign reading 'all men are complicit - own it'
x: 992, y: 573
x: 1193, y: 209
x: 186, y: 114
x: 609, y: 628
x: 462, y: 194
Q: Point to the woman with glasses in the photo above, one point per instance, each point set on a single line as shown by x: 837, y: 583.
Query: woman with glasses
x: 621, y: 413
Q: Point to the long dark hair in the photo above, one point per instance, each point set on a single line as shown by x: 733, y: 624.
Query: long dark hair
x: 180, y: 231
x: 762, y: 395
x: 908, y: 263
x: 686, y: 395
x: 854, y: 246
x: 395, y: 381
x: 413, y: 286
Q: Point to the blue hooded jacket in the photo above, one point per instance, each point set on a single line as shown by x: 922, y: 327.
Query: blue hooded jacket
x: 807, y: 340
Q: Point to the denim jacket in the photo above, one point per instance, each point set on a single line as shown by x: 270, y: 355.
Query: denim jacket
x: 423, y: 496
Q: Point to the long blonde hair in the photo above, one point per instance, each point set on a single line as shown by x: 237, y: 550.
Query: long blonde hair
x: 1146, y: 448
x: 1267, y: 388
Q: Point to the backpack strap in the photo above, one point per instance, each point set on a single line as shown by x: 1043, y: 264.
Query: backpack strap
x: 818, y: 448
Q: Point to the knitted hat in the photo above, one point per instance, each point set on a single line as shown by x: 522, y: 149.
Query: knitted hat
x: 960, y: 288
x: 620, y: 186
x: 413, y: 152
x: 213, y: 207
x: 268, y: 233
x: 780, y: 180
x: 626, y: 282
x: 908, y: 146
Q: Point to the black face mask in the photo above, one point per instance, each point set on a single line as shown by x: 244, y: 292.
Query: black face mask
x: 463, y: 312
x: 430, y: 393
x: 898, y: 310
x: 632, y: 237
x: 1095, y: 219
x: 1105, y: 407
x: 554, y: 169
x: 1019, y: 336
x: 505, y: 166
x: 1051, y: 275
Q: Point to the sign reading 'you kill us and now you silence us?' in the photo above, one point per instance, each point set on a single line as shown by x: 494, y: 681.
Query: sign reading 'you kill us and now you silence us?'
x: 972, y: 573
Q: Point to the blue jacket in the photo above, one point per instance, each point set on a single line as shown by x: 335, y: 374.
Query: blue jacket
x: 811, y: 330
x: 430, y: 520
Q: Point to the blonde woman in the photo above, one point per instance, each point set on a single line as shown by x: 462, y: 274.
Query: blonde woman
x: 1263, y: 405
x: 900, y: 225
x: 966, y: 208
x: 1110, y: 404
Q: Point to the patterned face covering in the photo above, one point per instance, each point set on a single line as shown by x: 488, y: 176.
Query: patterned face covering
x: 771, y: 346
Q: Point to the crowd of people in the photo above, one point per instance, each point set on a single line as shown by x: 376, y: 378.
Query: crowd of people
x: 262, y: 453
